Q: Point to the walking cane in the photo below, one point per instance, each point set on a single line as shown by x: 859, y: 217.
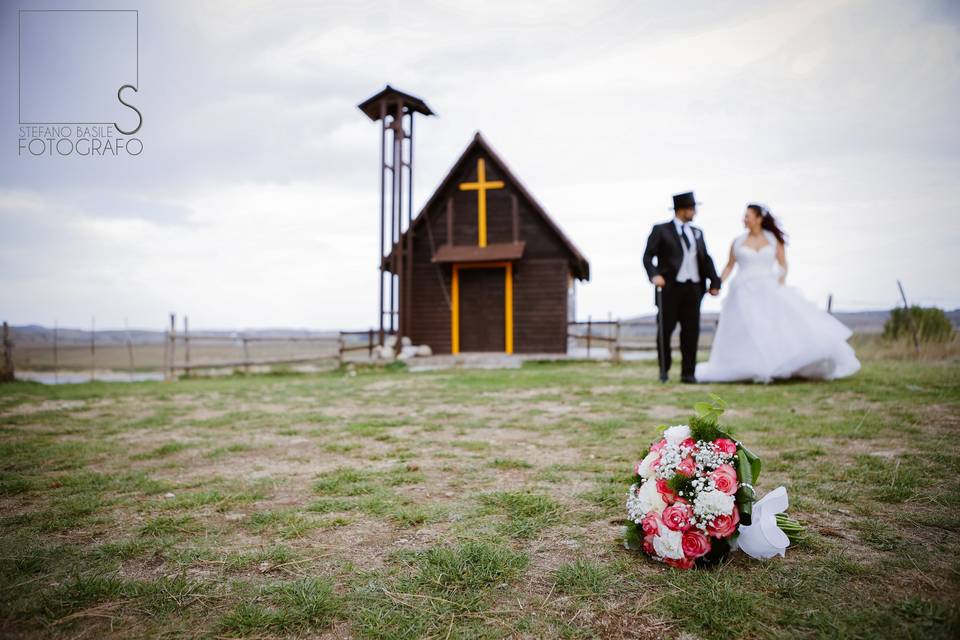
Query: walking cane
x: 662, y: 355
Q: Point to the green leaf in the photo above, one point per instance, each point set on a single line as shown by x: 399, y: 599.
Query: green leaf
x: 702, y: 408
x: 711, y: 409
x: 745, y: 494
x: 718, y: 402
x: 753, y: 460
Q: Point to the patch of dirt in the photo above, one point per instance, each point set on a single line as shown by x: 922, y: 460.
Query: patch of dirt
x: 516, y: 394
x: 667, y: 413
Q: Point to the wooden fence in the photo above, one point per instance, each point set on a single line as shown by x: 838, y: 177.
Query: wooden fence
x: 184, y: 352
x: 6, y: 363
x: 176, y: 351
x: 619, y: 336
x: 242, y: 351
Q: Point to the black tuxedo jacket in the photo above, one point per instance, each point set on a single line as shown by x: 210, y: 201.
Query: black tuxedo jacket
x: 664, y: 244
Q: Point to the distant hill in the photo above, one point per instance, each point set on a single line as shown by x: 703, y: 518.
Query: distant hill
x: 864, y: 322
x: 37, y: 335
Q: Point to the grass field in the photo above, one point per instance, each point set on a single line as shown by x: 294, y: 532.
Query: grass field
x: 376, y: 503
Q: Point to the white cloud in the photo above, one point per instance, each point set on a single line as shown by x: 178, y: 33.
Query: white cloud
x: 255, y: 202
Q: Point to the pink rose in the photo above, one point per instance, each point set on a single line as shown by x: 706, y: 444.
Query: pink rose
x: 650, y: 524
x: 687, y: 467
x: 664, y: 489
x: 689, y: 443
x: 677, y: 516
x: 660, y: 444
x: 683, y: 563
x: 636, y: 469
x: 725, y: 445
x: 724, y: 526
x: 648, y: 545
x: 725, y: 478
x: 695, y: 544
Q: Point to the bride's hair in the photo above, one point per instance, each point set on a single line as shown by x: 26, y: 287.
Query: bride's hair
x: 768, y: 222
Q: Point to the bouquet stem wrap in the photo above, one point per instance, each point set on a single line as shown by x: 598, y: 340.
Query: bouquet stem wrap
x: 763, y: 538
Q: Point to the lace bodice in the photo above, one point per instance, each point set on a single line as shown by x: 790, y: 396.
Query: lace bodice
x: 756, y: 263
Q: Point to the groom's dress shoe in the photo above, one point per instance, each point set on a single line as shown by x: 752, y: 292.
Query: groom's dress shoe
x: 688, y: 380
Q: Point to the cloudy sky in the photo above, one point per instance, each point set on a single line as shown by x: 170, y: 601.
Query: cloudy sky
x: 255, y: 199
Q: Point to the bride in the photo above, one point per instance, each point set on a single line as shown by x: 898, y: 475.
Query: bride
x: 768, y: 330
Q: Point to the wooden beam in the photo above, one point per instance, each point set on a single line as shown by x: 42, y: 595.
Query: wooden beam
x: 450, y: 221
x: 508, y: 307
x: 455, y: 311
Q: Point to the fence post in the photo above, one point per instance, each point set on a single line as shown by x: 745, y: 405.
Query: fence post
x: 370, y: 343
x: 589, y: 331
x: 173, y: 347
x: 616, y: 341
x: 830, y: 303
x: 913, y: 325
x: 186, y: 344
x: 6, y: 370
x: 246, y: 354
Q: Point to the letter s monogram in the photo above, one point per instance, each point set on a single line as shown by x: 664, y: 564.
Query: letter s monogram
x: 127, y: 104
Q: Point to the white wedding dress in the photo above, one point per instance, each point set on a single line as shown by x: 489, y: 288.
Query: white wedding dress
x: 768, y: 330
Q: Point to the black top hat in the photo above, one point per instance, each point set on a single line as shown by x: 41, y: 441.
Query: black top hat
x: 684, y: 201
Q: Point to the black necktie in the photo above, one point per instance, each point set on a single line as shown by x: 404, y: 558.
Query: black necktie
x: 683, y: 236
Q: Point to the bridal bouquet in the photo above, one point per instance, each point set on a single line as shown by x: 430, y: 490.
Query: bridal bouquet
x: 692, y: 499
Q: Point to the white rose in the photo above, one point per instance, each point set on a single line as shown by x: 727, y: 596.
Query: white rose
x: 668, y: 544
x: 644, y: 501
x: 713, y: 502
x: 677, y: 434
x: 651, y: 498
x: 645, y: 468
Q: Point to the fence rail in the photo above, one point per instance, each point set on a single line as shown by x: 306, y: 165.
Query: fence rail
x: 180, y: 351
x: 61, y: 355
x: 620, y: 336
x: 331, y: 347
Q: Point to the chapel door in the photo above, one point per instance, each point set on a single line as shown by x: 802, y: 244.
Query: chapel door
x: 482, y: 297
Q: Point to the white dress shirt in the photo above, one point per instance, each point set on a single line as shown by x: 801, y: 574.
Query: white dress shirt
x: 689, y: 271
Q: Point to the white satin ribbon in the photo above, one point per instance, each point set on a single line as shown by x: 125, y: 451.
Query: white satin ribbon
x: 764, y: 539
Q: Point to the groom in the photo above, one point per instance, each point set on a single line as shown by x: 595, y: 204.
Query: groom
x: 678, y: 264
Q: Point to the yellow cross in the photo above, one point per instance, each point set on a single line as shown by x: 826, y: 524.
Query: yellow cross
x: 481, y: 186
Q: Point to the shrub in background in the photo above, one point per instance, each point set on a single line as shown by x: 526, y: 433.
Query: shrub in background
x: 932, y: 324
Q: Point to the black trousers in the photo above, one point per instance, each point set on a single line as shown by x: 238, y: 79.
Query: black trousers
x: 680, y: 302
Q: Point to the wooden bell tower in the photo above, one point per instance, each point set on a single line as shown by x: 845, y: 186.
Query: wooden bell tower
x: 395, y: 111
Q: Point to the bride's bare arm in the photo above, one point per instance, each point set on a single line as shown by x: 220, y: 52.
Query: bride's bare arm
x: 727, y: 270
x: 782, y: 260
